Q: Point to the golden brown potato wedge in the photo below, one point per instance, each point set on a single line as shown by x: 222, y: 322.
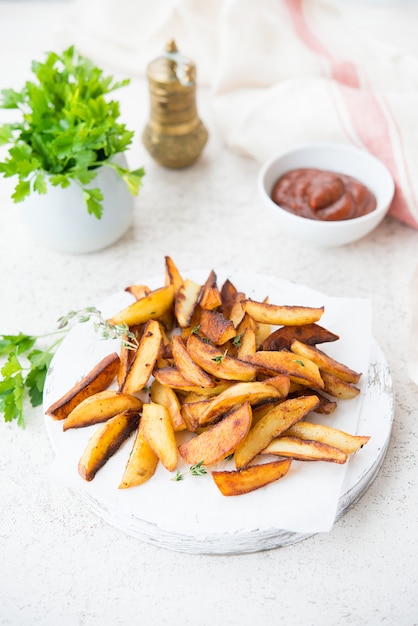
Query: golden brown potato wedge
x: 327, y: 434
x: 105, y: 442
x: 158, y: 430
x: 211, y: 297
x: 228, y: 295
x: 216, y: 327
x: 138, y: 291
x: 299, y: 369
x: 218, y: 441
x: 160, y: 394
x: 338, y: 388
x: 187, y: 298
x: 325, y: 362
x: 141, y: 464
x: 188, y: 367
x: 276, y: 421
x: 144, y: 360
x: 304, y: 450
x: 127, y: 352
x: 237, y: 313
x: 98, y: 379
x: 216, y: 362
x: 172, y: 377
x: 172, y: 274
x: 238, y: 482
x: 246, y: 343
x: 282, y: 315
x: 252, y: 392
x: 325, y: 406
x: 152, y: 306
x: 311, y: 334
x: 99, y: 408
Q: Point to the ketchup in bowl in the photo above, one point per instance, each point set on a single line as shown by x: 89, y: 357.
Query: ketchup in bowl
x: 322, y: 195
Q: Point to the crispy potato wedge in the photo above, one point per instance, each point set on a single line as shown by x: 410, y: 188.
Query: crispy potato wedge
x: 138, y: 291
x: 311, y: 334
x: 338, y: 388
x: 172, y: 274
x: 276, y: 421
x: 141, y: 464
x: 215, y: 326
x: 299, y: 369
x: 187, y: 298
x: 105, y: 442
x: 327, y: 434
x: 247, y: 343
x: 252, y: 392
x: 152, y: 306
x: 282, y: 315
x: 209, y: 392
x: 238, y: 482
x: 172, y: 377
x: 100, y: 407
x: 304, y: 450
x: 214, y: 361
x: 228, y: 294
x: 146, y: 355
x: 325, y: 362
x: 211, y: 297
x: 160, y: 394
x: 127, y: 353
x: 237, y: 313
x: 325, y: 406
x: 188, y: 367
x: 218, y: 441
x: 98, y: 379
x: 158, y: 430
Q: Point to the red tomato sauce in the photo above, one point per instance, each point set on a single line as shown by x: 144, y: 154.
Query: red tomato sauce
x: 321, y: 195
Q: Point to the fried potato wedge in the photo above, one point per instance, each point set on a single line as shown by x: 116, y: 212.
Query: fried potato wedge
x: 211, y: 297
x: 186, y: 300
x: 243, y: 481
x: 282, y: 315
x: 158, y: 430
x: 105, y: 442
x: 325, y: 362
x: 338, y: 388
x: 325, y: 406
x: 146, y: 355
x: 252, y: 392
x: 188, y: 367
x: 214, y: 361
x: 172, y: 274
x: 98, y: 379
x: 304, y: 450
x: 215, y: 326
x: 172, y: 377
x: 228, y: 294
x: 311, y: 334
x: 246, y: 344
x: 152, y: 306
x: 160, y: 394
x: 218, y: 441
x: 100, y: 407
x: 138, y: 291
x: 299, y: 369
x: 141, y: 464
x: 237, y: 313
x: 276, y: 421
x: 329, y: 435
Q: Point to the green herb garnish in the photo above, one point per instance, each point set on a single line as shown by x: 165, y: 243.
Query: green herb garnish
x: 68, y: 129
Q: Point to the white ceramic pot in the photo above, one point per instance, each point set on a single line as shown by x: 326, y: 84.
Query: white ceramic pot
x: 59, y: 219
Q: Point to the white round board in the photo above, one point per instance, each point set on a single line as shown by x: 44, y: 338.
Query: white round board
x: 191, y: 515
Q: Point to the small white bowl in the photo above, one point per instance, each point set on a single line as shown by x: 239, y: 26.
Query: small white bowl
x: 334, y: 157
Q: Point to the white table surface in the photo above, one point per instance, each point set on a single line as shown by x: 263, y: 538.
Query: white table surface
x: 60, y: 563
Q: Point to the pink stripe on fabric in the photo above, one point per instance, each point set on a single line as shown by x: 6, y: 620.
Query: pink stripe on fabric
x: 363, y: 108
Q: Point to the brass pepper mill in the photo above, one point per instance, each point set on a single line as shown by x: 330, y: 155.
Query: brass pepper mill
x: 174, y: 135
